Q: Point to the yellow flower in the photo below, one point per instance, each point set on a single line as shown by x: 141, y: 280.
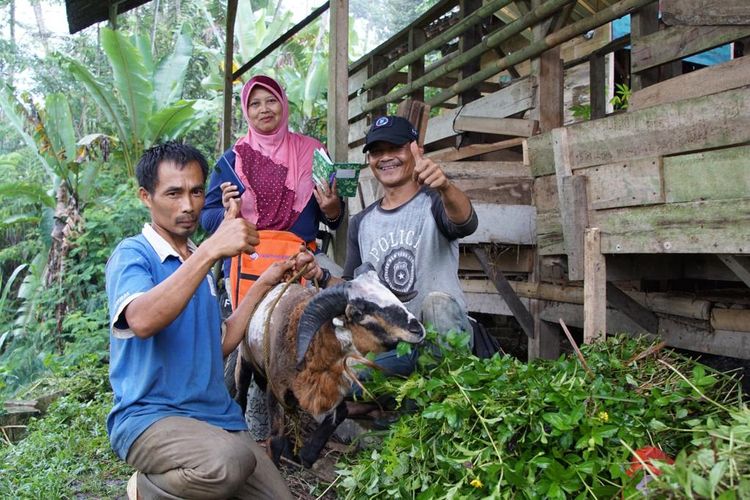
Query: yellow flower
x: 476, y: 483
x: 603, y: 416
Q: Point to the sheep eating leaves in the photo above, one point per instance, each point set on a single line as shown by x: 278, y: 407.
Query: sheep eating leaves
x: 313, y: 338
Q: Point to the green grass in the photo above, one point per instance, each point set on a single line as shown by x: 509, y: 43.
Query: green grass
x: 66, y: 454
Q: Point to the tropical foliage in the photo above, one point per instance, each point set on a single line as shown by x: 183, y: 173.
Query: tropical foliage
x: 71, y: 140
x: 146, y: 103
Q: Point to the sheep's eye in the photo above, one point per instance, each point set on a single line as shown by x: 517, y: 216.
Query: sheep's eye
x: 354, y: 313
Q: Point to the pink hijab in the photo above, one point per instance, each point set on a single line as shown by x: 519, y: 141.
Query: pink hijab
x: 288, y: 150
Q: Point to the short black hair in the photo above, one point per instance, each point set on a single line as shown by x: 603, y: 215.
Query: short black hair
x: 147, y: 170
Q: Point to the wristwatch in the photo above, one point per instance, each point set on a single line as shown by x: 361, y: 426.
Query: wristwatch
x: 325, y: 278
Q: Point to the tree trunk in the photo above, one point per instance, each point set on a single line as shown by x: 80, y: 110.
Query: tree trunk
x: 67, y: 223
x: 43, y: 34
x: 12, y: 23
x: 153, y: 29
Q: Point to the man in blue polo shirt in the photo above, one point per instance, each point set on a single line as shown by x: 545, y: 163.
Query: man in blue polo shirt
x: 173, y: 419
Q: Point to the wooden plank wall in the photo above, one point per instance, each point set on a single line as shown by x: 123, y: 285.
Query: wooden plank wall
x: 648, y: 190
x: 669, y: 176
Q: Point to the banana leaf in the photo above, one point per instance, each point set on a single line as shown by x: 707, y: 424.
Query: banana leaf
x: 87, y: 179
x: 246, y: 29
x: 108, y: 104
x: 143, y: 42
x: 59, y: 127
x: 172, y: 121
x: 170, y: 75
x: 34, y: 193
x: 132, y: 80
x: 20, y: 219
x: 317, y: 75
x: 15, y: 114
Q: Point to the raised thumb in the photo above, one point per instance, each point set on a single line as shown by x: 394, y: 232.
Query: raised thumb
x: 233, y: 210
x: 415, y: 150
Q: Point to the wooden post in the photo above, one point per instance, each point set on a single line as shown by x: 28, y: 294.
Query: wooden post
x: 594, y: 288
x: 503, y: 287
x: 632, y: 309
x: 738, y: 266
x: 643, y: 22
x: 417, y: 38
x: 470, y: 38
x: 597, y: 87
x: 226, y: 137
x: 374, y: 65
x: 338, y: 103
x: 571, y: 192
x: 575, y: 219
x: 546, y: 341
x: 550, y: 93
x: 548, y: 109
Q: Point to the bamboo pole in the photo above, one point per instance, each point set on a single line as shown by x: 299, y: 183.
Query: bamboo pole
x: 535, y: 49
x: 488, y: 43
x: 226, y: 136
x: 576, y: 349
x: 455, y: 30
x: 737, y: 320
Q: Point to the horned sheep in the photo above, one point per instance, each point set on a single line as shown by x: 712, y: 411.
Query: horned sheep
x: 313, y: 338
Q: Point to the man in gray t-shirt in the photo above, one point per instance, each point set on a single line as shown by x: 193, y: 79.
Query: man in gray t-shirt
x: 411, y: 234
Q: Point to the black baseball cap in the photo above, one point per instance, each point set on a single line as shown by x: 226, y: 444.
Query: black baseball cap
x: 393, y: 129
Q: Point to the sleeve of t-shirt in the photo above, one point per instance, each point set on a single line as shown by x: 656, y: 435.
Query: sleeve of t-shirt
x: 449, y: 229
x: 353, y: 256
x: 128, y: 276
x: 213, y: 211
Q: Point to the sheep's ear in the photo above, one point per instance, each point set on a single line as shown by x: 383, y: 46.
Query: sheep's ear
x: 325, y: 306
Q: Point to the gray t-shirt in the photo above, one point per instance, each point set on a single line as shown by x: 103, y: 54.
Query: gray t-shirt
x: 412, y: 247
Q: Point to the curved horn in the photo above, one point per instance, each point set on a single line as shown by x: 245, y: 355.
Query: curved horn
x: 326, y: 305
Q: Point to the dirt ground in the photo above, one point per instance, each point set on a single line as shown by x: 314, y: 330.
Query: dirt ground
x: 318, y: 481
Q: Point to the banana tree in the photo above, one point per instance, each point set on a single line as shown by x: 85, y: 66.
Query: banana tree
x: 145, y: 105
x: 70, y: 168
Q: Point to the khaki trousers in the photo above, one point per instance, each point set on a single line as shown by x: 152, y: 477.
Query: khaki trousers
x: 179, y: 457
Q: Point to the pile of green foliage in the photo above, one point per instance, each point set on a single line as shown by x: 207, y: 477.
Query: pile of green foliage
x: 547, y: 429
x: 717, y: 464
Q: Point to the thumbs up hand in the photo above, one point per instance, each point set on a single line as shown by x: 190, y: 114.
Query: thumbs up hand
x: 426, y: 171
x: 234, y: 235
x: 233, y: 208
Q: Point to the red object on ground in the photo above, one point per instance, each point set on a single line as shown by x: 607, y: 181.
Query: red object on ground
x: 646, y: 454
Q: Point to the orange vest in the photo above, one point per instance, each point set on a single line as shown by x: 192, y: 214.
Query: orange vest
x: 244, y: 270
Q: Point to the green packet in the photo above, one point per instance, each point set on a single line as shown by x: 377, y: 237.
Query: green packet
x: 346, y: 174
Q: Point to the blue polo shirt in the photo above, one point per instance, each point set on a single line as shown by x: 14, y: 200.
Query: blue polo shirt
x: 178, y: 371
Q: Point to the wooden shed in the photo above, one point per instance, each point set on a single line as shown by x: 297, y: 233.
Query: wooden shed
x: 635, y: 220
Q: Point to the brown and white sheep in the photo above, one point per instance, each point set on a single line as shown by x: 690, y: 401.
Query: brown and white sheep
x: 313, y: 338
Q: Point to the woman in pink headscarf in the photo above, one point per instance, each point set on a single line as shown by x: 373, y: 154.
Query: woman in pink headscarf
x: 275, y: 166
x: 280, y: 198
